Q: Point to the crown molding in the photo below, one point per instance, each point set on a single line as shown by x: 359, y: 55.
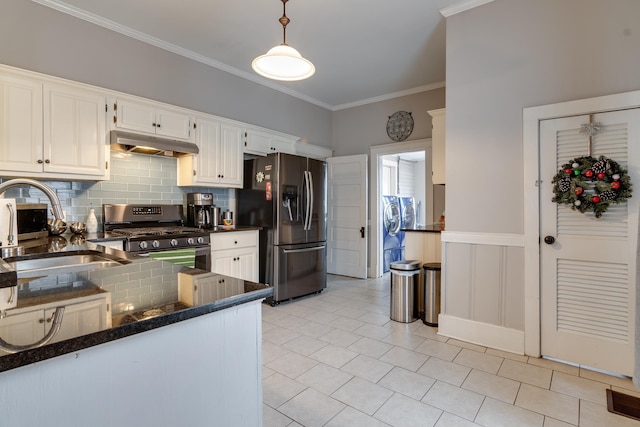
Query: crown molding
x: 462, y: 6
x: 388, y: 96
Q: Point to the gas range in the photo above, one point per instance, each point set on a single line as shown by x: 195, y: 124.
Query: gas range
x: 148, y: 228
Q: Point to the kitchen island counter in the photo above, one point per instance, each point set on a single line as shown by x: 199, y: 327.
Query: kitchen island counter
x: 143, y: 294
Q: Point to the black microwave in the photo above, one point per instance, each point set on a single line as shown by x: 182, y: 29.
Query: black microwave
x: 32, y: 220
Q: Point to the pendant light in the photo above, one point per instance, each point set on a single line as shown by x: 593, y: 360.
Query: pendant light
x: 283, y: 62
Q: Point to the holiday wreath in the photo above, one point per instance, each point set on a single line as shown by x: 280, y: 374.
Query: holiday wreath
x: 588, y: 184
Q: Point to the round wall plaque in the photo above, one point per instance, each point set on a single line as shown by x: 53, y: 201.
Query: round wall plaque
x: 400, y: 125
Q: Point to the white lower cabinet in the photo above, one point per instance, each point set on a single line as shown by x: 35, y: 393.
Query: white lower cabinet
x: 28, y: 325
x: 235, y: 254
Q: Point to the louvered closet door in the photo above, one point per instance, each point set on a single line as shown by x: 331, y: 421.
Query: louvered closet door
x: 588, y: 275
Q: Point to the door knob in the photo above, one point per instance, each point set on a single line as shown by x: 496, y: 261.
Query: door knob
x: 362, y: 232
x: 549, y: 240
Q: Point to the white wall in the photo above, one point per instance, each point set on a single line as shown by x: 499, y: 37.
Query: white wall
x: 501, y: 57
x: 38, y: 38
x: 511, y: 54
x: 358, y: 128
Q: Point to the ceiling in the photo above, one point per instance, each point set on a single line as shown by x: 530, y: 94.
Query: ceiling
x: 363, y: 50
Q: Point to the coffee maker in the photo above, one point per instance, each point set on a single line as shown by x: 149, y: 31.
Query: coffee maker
x: 201, y: 212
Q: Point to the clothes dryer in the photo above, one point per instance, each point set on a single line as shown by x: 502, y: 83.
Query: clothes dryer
x: 391, y: 222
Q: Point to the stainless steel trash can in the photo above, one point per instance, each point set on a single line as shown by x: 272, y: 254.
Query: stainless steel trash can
x: 431, y: 293
x: 405, y: 278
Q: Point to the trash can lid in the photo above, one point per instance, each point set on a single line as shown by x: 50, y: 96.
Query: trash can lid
x: 432, y: 266
x: 408, y: 264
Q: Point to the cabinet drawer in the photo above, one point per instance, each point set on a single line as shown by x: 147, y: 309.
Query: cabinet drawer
x: 233, y: 239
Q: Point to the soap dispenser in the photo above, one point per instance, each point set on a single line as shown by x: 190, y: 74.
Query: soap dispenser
x: 92, y: 221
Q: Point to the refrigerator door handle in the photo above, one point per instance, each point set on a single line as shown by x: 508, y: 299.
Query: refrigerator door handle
x: 293, y: 251
x: 310, y: 197
x: 307, y: 219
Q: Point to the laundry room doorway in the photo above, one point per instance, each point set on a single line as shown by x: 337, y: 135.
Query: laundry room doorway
x: 401, y: 196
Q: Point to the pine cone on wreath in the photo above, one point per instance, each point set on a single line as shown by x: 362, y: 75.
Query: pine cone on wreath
x: 601, y: 166
x: 565, y: 184
x: 607, y: 195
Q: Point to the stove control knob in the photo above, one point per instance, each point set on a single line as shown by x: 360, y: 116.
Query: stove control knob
x: 200, y: 240
x: 191, y: 241
x: 173, y: 242
x: 143, y: 245
x: 155, y: 244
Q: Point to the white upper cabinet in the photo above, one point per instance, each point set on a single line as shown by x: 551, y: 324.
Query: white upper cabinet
x: 74, y: 131
x: 220, y: 160
x: 152, y: 119
x: 20, y: 124
x: 438, y: 141
x: 51, y: 130
x: 313, y: 151
x: 263, y: 142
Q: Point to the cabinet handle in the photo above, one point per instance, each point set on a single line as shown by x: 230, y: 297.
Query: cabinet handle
x: 158, y: 125
x: 40, y: 161
x: 154, y: 125
x: 235, y: 242
x: 47, y: 161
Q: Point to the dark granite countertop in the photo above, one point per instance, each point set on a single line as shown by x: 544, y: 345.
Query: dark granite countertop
x: 429, y: 228
x: 140, y: 286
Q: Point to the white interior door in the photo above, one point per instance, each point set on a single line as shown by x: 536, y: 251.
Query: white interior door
x: 347, y: 216
x: 588, y: 274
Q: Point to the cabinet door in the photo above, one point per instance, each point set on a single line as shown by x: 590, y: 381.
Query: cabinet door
x: 230, y: 156
x: 257, y: 142
x: 247, y: 264
x: 81, y: 319
x: 134, y: 116
x: 263, y: 143
x: 20, y: 124
x: 173, y: 124
x: 74, y: 131
x: 206, y: 162
x: 22, y: 329
x: 223, y: 262
x: 283, y: 145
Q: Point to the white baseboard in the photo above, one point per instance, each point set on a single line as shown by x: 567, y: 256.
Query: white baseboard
x: 483, y: 334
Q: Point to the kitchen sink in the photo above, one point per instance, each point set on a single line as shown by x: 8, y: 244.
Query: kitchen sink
x: 38, y: 265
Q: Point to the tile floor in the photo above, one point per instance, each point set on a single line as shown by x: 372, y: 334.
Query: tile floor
x: 335, y: 359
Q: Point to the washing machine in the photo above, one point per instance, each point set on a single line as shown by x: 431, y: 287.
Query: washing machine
x: 408, y: 218
x: 391, y: 222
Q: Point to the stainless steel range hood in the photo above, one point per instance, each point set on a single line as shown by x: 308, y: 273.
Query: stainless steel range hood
x: 153, y: 145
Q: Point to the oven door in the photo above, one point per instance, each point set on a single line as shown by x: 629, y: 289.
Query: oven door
x: 199, y: 257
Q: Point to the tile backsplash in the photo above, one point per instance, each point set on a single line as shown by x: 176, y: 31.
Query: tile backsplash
x: 135, y: 178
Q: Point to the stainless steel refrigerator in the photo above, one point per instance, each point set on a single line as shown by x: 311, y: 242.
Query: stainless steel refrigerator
x: 286, y: 195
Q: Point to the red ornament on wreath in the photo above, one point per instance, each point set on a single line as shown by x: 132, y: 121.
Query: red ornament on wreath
x: 568, y: 171
x: 615, y: 185
x: 588, y: 173
x: 595, y: 199
x: 601, y: 175
x: 578, y: 191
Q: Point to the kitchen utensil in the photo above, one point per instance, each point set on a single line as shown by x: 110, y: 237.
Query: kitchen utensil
x: 56, y: 226
x: 78, y: 227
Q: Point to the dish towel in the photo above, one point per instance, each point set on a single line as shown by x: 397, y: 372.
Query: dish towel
x: 186, y: 257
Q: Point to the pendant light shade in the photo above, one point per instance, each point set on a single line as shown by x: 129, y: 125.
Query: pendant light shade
x: 283, y: 62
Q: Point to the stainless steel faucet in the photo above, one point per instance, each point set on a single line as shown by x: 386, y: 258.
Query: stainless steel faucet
x: 56, y: 207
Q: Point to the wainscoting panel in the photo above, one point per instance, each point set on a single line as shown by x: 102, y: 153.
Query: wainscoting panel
x: 483, y: 289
